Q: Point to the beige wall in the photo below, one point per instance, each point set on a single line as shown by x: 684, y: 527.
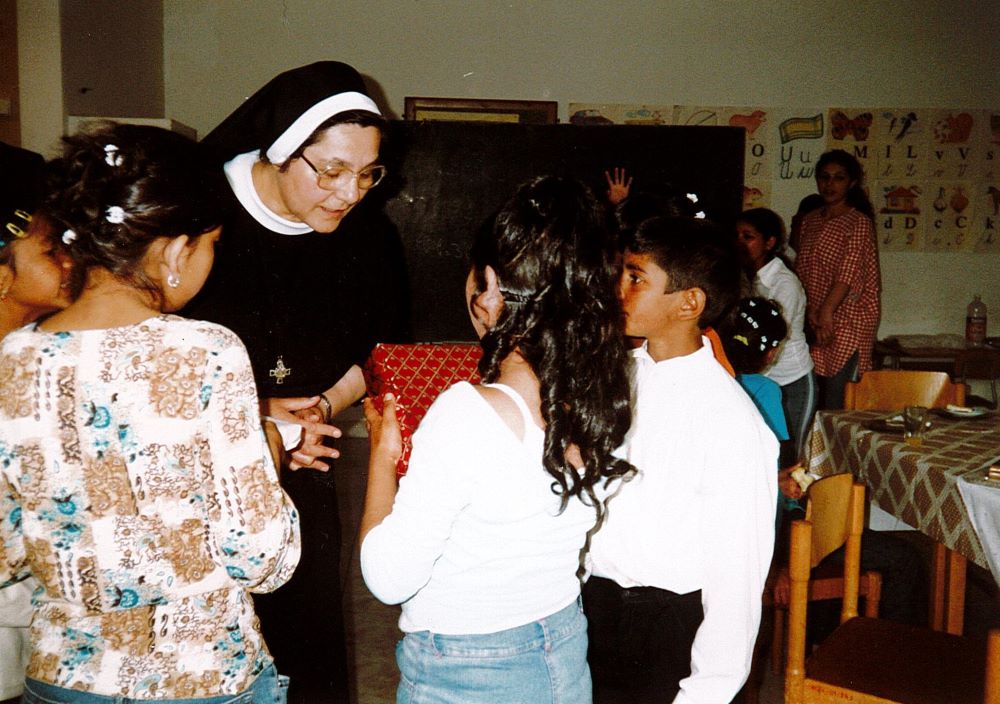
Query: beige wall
x: 112, y: 57
x: 922, y: 53
x: 39, y: 52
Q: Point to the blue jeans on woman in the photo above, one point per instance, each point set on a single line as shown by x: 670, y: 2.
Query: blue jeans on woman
x: 268, y: 688
x: 798, y: 399
x: 543, y: 662
x: 831, y: 388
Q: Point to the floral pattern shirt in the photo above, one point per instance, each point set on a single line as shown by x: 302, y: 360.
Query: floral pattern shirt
x: 137, y: 488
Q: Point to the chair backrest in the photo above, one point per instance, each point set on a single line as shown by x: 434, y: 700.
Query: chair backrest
x: 802, y: 549
x: 828, y: 510
x: 892, y: 389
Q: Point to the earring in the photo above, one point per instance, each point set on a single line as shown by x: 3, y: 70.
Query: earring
x: 173, y: 280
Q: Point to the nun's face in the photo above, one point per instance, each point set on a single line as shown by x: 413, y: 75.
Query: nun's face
x: 348, y: 146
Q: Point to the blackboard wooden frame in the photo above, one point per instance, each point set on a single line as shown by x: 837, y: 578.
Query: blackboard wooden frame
x: 532, y: 112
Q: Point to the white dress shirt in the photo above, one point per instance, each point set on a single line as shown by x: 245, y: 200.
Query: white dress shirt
x: 700, y: 514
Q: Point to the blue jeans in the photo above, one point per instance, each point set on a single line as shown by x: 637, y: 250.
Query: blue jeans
x: 268, y: 688
x: 544, y: 662
x: 831, y: 388
x: 799, y: 401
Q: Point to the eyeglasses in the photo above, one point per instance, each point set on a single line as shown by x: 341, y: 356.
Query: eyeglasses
x: 336, y: 176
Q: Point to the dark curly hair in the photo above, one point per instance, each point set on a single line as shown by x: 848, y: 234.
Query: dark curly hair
x: 555, y: 263
x: 119, y: 187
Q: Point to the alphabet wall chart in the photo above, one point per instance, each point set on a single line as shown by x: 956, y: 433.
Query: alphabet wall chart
x: 931, y: 173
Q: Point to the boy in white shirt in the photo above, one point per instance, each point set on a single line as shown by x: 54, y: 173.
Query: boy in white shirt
x: 678, y: 567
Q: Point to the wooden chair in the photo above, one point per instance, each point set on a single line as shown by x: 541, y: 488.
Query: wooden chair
x: 825, y: 509
x: 873, y: 661
x: 893, y: 389
x: 979, y: 363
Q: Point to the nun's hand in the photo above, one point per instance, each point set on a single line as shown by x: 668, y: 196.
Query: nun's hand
x: 305, y: 411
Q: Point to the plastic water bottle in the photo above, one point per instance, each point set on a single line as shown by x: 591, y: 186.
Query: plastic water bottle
x: 975, y: 322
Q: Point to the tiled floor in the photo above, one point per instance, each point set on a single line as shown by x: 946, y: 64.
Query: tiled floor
x: 372, y: 630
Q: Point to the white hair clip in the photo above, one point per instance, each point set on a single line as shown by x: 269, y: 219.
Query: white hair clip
x: 68, y: 237
x: 115, y: 214
x: 111, y: 155
x: 693, y: 197
x: 700, y: 215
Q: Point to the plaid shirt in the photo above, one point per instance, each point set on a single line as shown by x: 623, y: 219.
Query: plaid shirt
x: 842, y: 249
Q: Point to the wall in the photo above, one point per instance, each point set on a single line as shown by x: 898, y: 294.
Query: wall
x: 112, y: 57
x: 39, y: 52
x: 10, y: 121
x: 923, y: 53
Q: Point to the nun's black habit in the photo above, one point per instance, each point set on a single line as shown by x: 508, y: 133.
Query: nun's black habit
x: 313, y: 304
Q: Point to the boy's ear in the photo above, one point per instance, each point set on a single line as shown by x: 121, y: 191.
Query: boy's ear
x: 487, y: 305
x: 692, y: 304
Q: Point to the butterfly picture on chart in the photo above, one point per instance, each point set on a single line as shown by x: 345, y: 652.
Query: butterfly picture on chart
x: 858, y: 127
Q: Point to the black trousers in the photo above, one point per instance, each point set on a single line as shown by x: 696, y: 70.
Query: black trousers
x: 303, y: 621
x: 640, y: 640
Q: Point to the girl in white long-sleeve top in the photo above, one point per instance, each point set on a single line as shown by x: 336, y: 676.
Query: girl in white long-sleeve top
x: 481, y: 543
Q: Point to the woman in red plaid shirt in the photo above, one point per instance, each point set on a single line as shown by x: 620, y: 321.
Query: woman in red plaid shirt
x: 839, y: 268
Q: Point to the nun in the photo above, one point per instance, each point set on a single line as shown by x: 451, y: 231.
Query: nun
x: 310, y: 278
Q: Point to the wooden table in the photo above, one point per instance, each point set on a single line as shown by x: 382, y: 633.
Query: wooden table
x: 919, y: 485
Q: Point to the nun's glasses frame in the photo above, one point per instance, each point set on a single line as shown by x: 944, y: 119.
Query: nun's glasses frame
x: 338, y: 176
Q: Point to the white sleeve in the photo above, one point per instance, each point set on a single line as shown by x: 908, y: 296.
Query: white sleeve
x: 398, y: 555
x: 787, y: 290
x: 738, y: 540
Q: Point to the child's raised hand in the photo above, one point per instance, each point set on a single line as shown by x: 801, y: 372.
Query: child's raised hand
x: 618, y: 185
x: 384, y: 435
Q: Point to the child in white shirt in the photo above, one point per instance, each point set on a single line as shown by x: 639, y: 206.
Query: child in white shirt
x: 678, y: 567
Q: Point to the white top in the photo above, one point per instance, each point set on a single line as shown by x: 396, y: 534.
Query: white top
x: 475, y: 542
x: 700, y: 513
x: 777, y: 281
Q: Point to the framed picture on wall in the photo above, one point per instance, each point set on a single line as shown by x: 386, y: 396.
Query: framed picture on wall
x: 525, y: 112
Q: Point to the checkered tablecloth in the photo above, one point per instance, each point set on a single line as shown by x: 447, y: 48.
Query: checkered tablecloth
x: 918, y: 485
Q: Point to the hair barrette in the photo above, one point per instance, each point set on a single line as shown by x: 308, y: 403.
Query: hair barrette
x: 111, y: 155
x: 512, y: 297
x: 68, y: 237
x: 115, y: 214
x: 743, y: 339
x: 19, y: 231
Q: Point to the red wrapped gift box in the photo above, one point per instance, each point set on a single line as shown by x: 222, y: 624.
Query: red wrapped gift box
x: 416, y: 374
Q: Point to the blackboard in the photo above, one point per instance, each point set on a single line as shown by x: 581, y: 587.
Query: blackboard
x: 447, y: 178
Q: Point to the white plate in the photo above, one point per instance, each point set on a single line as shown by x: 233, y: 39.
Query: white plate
x: 974, y: 412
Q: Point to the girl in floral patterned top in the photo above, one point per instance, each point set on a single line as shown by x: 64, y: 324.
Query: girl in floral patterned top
x: 136, y: 484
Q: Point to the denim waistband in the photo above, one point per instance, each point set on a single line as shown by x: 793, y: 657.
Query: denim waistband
x: 566, y: 622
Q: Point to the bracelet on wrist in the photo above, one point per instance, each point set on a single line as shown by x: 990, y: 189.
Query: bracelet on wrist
x: 326, y: 408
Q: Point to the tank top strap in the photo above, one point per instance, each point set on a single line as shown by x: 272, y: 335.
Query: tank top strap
x: 529, y: 421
